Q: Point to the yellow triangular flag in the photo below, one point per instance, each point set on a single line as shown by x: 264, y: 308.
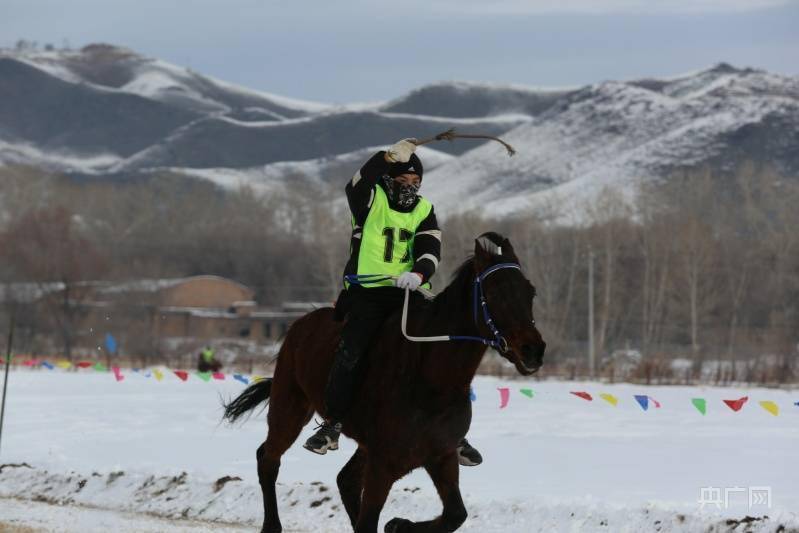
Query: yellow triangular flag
x: 63, y: 364
x: 612, y: 400
x: 158, y: 374
x: 770, y: 406
x: 255, y: 379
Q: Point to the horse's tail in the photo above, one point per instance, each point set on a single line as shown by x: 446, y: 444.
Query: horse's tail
x: 248, y: 400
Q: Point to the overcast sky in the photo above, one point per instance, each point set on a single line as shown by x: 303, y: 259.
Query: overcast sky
x: 345, y: 51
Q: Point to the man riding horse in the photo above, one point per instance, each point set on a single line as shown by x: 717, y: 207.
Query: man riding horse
x: 395, y: 233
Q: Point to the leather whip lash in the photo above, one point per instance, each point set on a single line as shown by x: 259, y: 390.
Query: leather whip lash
x: 450, y: 135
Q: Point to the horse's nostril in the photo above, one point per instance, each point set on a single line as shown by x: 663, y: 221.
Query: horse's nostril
x: 533, y: 355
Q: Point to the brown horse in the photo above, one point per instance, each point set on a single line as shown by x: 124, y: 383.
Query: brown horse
x: 413, y: 406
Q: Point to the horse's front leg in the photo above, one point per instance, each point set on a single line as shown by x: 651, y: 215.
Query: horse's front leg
x: 444, y: 473
x: 377, y: 483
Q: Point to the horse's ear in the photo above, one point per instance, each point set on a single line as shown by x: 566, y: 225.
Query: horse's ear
x: 482, y: 257
x: 508, y: 251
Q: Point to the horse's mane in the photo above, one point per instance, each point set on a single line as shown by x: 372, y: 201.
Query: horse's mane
x: 456, y: 293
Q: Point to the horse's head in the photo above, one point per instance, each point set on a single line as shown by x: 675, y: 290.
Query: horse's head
x: 509, y: 297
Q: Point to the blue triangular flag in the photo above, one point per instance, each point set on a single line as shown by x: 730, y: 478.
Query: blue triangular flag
x: 47, y: 365
x: 796, y: 404
x: 239, y: 377
x: 472, y: 395
x: 643, y: 401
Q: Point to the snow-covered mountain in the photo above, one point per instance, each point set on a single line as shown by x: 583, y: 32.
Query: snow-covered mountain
x: 615, y: 134
x: 108, y: 111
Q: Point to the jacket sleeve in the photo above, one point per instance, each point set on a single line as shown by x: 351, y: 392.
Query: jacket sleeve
x: 427, y: 247
x: 361, y: 188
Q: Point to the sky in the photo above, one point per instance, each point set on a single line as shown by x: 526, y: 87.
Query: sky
x: 348, y: 51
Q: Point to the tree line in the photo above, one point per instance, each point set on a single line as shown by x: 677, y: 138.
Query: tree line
x: 701, y: 267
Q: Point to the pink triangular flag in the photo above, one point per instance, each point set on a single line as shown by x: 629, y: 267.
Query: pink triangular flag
x: 654, y: 401
x: 218, y: 375
x: 117, y: 373
x: 504, y: 396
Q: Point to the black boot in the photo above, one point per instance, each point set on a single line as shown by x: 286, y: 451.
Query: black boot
x: 467, y: 455
x: 326, y: 438
x: 338, y: 397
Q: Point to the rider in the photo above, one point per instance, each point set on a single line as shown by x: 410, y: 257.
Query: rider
x: 394, y: 232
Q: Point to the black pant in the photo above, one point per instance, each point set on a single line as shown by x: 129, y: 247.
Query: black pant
x: 366, y: 310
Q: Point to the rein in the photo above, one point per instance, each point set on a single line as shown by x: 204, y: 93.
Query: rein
x: 498, y: 342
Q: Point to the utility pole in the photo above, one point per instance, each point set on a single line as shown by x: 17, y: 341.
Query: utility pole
x: 5, y: 379
x: 591, y: 353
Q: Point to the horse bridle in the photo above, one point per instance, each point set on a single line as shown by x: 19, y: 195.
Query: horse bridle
x: 499, y: 342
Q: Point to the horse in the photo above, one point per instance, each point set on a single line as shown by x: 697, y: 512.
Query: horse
x: 412, y: 406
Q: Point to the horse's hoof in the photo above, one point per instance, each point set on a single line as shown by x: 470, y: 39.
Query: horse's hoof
x: 397, y: 525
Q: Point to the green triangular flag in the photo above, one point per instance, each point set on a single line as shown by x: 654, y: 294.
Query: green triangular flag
x: 700, y: 404
x: 205, y: 376
x: 100, y: 367
x: 527, y: 392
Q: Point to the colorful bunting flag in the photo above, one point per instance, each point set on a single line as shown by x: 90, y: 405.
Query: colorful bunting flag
x: 736, y: 405
x: 218, y: 375
x: 47, y: 365
x: 700, y: 404
x: 100, y: 367
x: 158, y: 374
x: 239, y: 377
x: 643, y: 401
x: 29, y: 362
x: 770, y: 406
x: 527, y: 392
x: 654, y: 401
x: 796, y: 404
x: 504, y: 396
x: 63, y: 364
x: 256, y: 378
x: 84, y: 364
x: 182, y: 374
x: 205, y: 376
x: 583, y: 395
x: 612, y: 400
x: 117, y: 373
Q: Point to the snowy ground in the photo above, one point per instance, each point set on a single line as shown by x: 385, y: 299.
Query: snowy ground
x: 127, y: 452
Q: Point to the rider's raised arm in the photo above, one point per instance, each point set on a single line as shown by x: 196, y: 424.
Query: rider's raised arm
x: 360, y: 189
x: 427, y: 247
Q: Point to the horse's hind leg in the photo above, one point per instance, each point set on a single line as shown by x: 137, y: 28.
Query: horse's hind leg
x: 288, y: 413
x: 350, y: 484
x: 444, y: 473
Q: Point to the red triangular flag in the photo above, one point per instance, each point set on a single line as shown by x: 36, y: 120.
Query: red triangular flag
x: 218, y: 375
x: 583, y: 395
x: 182, y: 374
x: 736, y: 405
x: 85, y: 364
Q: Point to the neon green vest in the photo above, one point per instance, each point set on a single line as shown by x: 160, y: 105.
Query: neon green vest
x: 387, y: 241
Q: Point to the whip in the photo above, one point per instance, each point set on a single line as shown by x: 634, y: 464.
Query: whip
x: 450, y: 135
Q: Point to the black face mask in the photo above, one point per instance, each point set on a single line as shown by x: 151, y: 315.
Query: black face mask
x: 399, y: 195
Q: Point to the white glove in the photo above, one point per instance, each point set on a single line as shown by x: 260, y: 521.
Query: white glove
x: 409, y: 280
x: 400, y: 152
